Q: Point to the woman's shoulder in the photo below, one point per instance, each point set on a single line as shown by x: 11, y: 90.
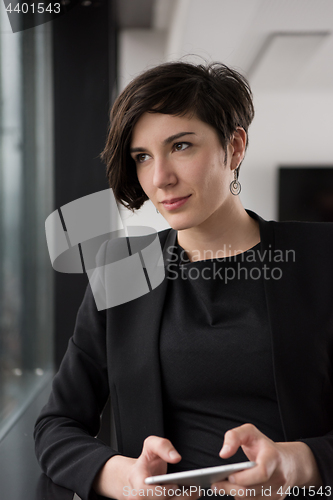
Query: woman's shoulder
x: 307, y: 231
x: 307, y: 237
x: 295, y: 227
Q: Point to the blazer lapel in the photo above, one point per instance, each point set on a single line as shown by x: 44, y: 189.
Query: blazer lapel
x: 296, y: 356
x: 135, y: 374
x: 267, y: 244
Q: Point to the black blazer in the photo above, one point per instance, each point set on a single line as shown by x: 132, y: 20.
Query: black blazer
x: 116, y: 352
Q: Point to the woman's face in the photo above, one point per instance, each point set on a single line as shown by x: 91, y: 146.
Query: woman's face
x: 183, y: 168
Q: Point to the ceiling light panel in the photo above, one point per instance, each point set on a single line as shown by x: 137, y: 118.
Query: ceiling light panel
x: 283, y: 58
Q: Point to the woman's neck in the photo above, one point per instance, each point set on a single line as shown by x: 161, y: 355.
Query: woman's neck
x: 223, y: 235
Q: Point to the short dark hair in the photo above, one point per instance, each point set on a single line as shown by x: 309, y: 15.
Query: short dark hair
x: 214, y: 93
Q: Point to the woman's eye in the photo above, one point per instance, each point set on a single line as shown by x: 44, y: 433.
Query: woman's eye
x: 180, y: 146
x: 140, y: 158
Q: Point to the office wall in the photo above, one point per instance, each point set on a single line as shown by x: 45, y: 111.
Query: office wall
x: 289, y: 129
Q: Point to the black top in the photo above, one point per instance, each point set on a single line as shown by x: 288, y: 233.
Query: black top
x: 216, y: 356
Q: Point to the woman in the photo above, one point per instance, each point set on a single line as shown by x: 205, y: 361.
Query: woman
x: 233, y: 348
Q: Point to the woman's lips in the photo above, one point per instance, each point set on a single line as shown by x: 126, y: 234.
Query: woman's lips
x: 174, y: 203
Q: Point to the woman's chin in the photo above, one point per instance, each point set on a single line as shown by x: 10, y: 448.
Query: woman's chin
x: 179, y: 222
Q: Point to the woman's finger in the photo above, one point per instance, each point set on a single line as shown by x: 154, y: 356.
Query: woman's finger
x: 266, y: 460
x: 243, y: 435
x: 155, y: 446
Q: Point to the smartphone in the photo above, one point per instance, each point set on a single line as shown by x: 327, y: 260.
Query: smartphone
x: 200, y: 477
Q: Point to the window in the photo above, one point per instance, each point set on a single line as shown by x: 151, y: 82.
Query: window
x: 26, y: 316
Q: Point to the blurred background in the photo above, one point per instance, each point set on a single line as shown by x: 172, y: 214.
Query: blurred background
x: 57, y: 84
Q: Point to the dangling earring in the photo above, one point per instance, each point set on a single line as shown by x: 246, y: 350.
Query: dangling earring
x: 235, y: 185
x: 157, y: 211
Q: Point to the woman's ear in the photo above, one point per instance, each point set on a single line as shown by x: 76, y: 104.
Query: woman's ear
x: 238, y: 144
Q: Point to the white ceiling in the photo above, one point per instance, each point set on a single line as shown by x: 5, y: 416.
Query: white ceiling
x: 241, y: 32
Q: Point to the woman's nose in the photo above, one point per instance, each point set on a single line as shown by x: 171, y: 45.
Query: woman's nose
x: 164, y: 174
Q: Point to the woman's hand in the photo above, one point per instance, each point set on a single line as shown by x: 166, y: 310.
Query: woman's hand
x: 279, y: 465
x: 122, y: 476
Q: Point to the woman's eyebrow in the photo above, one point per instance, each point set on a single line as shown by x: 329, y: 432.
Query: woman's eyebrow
x: 165, y: 142
x: 175, y: 137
